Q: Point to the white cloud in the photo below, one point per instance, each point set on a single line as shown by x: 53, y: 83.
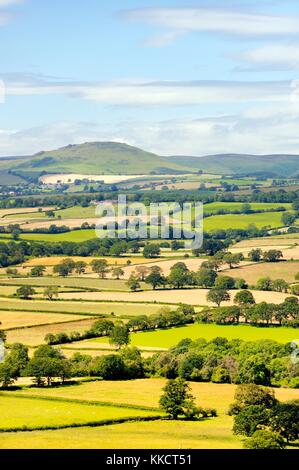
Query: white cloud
x: 153, y: 93
x: 216, y: 21
x: 272, y: 57
x: 255, y: 131
x: 163, y: 39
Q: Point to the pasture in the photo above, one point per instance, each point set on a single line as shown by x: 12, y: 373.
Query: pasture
x: 170, y: 337
x: 22, y: 412
x: 242, y: 221
x: 232, y: 206
x: 204, y: 434
x: 76, y: 236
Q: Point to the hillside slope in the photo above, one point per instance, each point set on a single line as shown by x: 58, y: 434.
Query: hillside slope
x: 99, y: 158
x: 241, y: 164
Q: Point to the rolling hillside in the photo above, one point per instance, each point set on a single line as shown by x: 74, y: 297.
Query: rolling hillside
x: 242, y: 164
x: 99, y: 158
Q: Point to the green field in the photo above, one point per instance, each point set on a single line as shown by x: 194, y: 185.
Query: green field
x: 76, y: 282
x: 18, y: 412
x: 237, y: 221
x: 232, y: 206
x: 80, y: 308
x: 170, y: 337
x: 76, y: 236
x: 210, y: 433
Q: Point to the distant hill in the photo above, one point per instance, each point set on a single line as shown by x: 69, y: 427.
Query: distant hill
x: 242, y: 164
x: 99, y: 158
x: 117, y: 158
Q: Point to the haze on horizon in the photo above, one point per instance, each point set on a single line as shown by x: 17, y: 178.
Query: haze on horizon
x: 213, y: 77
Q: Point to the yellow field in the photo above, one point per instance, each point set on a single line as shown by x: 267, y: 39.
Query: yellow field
x: 210, y: 433
x: 35, y: 336
x: 280, y: 270
x: 21, y: 319
x: 188, y: 296
x: 54, y: 260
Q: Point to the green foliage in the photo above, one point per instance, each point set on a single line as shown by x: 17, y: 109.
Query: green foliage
x: 177, y: 400
x: 263, y: 439
x: 25, y: 292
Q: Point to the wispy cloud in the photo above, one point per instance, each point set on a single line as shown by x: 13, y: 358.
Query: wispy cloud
x: 271, y: 57
x: 271, y: 130
x: 6, y: 16
x: 151, y: 93
x: 214, y: 20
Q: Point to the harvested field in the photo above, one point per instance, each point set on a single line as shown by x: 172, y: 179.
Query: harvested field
x: 35, y: 335
x: 12, y: 319
x: 281, y: 270
x: 188, y: 296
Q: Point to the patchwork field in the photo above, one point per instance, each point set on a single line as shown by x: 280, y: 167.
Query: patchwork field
x: 232, y: 206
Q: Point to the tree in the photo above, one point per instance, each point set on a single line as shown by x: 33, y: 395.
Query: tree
x: 272, y: 256
x: 225, y: 282
x: 265, y: 283
x: 255, y: 254
x: 253, y: 370
x: 101, y: 327
x: 100, y: 266
x: 244, y: 298
x: 110, y: 367
x: 25, y: 292
x: 218, y: 296
x: 155, y: 279
x: 250, y: 419
x: 119, y: 335
x: 133, y: 283
x: 280, y: 285
x: 177, y: 399
x: 246, y: 208
x: 205, y: 277
x: 38, y: 271
x: 64, y: 268
x: 288, y: 218
x: 14, y: 364
x: 251, y: 394
x: 80, y: 267
x: 179, y: 275
x: 233, y: 259
x: 285, y: 420
x: 48, y: 363
x: 264, y: 439
x: 151, y: 250
x: 117, y: 272
x: 142, y: 272
x: 50, y: 292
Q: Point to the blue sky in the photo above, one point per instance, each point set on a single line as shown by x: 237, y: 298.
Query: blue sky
x: 175, y: 77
